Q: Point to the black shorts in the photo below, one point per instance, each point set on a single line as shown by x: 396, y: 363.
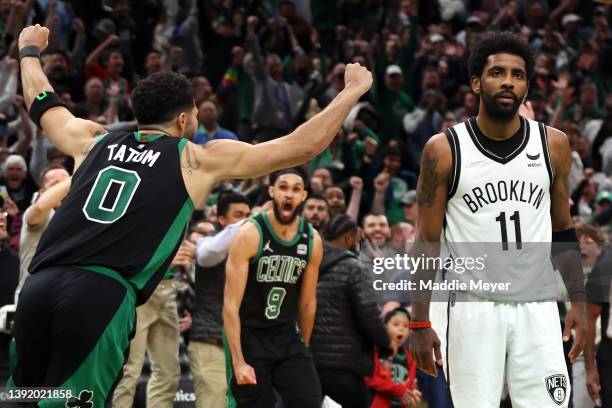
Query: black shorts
x: 72, y: 330
x: 283, y: 363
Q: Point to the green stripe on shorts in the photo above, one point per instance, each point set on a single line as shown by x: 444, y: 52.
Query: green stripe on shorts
x: 99, y: 371
x: 230, y: 401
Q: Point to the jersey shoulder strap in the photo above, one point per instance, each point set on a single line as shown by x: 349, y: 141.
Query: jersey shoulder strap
x: 257, y: 220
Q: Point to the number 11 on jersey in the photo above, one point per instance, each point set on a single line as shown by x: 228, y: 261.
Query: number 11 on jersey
x: 501, y: 218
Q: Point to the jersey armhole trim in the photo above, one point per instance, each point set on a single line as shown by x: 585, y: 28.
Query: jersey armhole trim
x: 546, y: 152
x: 453, y: 181
x: 260, y: 245
x: 100, y: 137
x: 181, y: 145
x: 310, y: 241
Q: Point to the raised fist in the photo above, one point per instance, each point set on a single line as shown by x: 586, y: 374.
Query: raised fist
x: 357, y: 78
x: 36, y: 35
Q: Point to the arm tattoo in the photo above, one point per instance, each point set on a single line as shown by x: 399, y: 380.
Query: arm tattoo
x: 426, y: 192
x: 89, y: 144
x: 190, y: 160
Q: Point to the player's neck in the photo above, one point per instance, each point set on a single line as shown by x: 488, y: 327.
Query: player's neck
x: 497, y: 130
x: 285, y: 231
x: 152, y: 129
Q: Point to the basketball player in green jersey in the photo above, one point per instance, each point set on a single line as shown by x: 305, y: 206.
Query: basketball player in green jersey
x: 113, y: 238
x: 271, y: 287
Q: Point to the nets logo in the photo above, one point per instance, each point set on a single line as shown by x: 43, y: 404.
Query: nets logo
x: 556, y: 385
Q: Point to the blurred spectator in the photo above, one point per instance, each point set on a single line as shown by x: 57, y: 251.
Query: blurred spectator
x: 598, y: 358
x: 408, y: 203
x: 321, y: 179
x: 391, y: 103
x: 206, y: 354
x: 183, y: 32
x: 19, y: 185
x: 157, y: 334
x: 238, y: 82
x: 9, y: 265
x: 598, y: 132
x: 347, y: 324
x: 54, y: 187
x: 110, y: 71
x: 208, y: 128
x: 316, y: 210
x: 376, y: 229
x: 202, y: 91
x: 390, y: 185
x: 394, y: 376
x: 8, y: 82
x: 335, y: 83
x: 272, y: 112
x: 335, y: 199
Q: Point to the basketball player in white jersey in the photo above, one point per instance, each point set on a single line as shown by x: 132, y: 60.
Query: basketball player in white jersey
x: 500, y: 178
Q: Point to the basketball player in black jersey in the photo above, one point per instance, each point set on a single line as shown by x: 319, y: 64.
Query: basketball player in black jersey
x: 271, y: 284
x: 113, y: 239
x: 500, y: 67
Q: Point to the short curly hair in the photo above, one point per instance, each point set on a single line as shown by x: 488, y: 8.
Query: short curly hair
x: 160, y: 97
x: 498, y: 42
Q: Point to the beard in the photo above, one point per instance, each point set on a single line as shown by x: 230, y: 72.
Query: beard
x: 279, y: 216
x: 496, y: 110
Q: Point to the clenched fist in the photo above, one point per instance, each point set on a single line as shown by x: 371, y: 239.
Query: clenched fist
x: 357, y: 78
x: 36, y: 35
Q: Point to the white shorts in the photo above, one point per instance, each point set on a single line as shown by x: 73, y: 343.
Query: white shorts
x: 483, y: 341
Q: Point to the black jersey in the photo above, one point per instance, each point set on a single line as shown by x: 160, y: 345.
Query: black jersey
x: 127, y: 211
x: 271, y: 296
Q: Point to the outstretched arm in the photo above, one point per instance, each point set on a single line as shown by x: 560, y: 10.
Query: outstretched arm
x: 432, y: 193
x: 72, y: 136
x: 224, y: 159
x: 243, y: 248
x: 308, y: 292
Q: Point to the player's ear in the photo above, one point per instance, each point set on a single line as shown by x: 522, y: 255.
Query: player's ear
x: 475, y: 83
x: 181, y: 121
x: 304, y: 195
x: 271, y: 191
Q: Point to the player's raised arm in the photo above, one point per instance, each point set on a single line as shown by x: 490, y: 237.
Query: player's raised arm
x: 432, y: 192
x: 243, y: 248
x: 566, y: 249
x: 72, y: 136
x: 227, y: 159
x: 308, y: 292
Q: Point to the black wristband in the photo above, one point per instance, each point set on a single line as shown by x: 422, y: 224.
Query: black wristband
x: 29, y: 51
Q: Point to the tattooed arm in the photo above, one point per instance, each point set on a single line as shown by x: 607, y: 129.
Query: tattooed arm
x: 432, y: 191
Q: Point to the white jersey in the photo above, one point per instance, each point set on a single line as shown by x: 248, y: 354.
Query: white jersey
x: 499, y: 208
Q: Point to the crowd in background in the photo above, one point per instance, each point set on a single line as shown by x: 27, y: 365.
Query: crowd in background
x: 259, y: 69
